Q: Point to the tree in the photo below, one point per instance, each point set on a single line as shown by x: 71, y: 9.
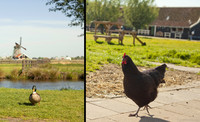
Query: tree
x: 102, y: 10
x: 139, y: 13
x: 71, y: 8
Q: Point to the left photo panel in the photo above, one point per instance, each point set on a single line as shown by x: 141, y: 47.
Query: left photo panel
x: 42, y: 60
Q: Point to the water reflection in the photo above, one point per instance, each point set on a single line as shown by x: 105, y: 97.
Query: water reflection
x: 43, y: 85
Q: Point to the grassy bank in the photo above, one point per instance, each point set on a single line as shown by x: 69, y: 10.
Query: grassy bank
x: 43, y: 72
x: 185, y: 53
x: 66, y: 105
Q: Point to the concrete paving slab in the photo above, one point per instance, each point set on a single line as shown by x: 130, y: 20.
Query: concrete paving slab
x: 184, y: 95
x: 181, y: 109
x: 166, y: 98
x: 124, y: 118
x: 101, y: 120
x: 126, y: 100
x: 195, y: 90
x: 155, y: 104
x: 93, y: 99
x: 158, y: 115
x: 117, y: 106
x: 193, y: 104
x: 94, y: 112
x: 168, y: 116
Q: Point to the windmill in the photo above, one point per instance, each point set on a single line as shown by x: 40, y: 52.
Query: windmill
x: 17, y: 50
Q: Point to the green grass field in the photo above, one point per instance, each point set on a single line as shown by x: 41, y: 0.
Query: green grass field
x: 65, y: 105
x: 179, y: 52
x: 7, y: 68
x: 79, y: 68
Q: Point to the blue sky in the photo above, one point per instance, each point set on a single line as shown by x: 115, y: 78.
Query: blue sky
x: 177, y: 3
x: 44, y: 33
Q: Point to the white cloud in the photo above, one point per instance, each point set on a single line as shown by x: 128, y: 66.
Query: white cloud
x: 55, y: 22
x: 5, y: 20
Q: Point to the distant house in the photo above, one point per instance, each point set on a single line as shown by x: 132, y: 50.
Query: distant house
x: 68, y: 58
x: 177, y: 22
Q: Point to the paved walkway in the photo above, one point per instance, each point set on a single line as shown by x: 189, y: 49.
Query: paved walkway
x: 176, y: 104
x: 182, y: 68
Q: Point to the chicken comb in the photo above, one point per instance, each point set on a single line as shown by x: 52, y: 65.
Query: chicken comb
x: 124, y: 55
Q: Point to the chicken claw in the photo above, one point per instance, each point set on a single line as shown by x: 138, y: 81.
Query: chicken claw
x: 136, y: 114
x: 146, y: 107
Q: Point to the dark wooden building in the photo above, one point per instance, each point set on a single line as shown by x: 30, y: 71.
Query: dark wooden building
x: 177, y: 22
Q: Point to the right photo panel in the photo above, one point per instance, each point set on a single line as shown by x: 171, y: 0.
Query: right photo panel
x: 142, y: 60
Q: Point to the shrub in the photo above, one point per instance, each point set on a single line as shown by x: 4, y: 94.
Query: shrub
x: 170, y: 53
x: 14, y: 74
x: 81, y: 76
x: 183, y: 55
x: 196, y: 59
x: 37, y: 73
x: 69, y: 76
x: 34, y: 73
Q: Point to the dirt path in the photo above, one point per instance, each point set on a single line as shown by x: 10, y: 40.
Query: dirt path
x: 108, y: 81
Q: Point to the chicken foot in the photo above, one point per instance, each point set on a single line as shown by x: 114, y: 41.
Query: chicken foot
x: 136, y: 114
x: 146, y: 107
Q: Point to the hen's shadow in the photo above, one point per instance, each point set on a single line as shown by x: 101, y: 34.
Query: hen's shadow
x: 151, y: 119
x: 26, y: 104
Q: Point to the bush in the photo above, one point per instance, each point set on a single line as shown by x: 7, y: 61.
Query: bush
x: 183, y: 55
x: 170, y: 53
x: 37, y: 73
x: 14, y: 74
x: 81, y: 76
x: 196, y: 59
x: 54, y: 73
x: 69, y: 76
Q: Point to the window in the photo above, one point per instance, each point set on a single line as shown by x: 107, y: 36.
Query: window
x: 173, y: 30
x: 180, y: 30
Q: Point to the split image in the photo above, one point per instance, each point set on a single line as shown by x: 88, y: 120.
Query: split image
x: 100, y: 60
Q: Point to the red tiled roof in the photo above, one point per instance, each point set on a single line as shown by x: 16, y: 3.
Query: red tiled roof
x: 177, y: 16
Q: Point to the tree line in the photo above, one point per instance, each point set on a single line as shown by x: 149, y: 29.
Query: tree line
x: 135, y: 14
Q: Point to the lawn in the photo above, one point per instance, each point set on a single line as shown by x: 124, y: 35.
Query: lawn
x: 79, y: 68
x: 7, y: 68
x: 179, y: 52
x: 65, y: 105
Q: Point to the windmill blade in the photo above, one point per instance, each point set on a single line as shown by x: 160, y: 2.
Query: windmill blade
x: 23, y: 47
x: 20, y: 41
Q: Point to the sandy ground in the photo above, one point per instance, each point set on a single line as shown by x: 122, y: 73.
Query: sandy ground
x: 108, y: 81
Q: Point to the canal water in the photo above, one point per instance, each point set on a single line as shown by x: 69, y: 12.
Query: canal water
x: 43, y: 85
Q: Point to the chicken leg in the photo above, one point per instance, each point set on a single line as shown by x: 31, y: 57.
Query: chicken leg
x: 146, y: 107
x: 136, y: 114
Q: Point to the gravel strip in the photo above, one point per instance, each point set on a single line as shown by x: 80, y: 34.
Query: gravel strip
x: 108, y: 81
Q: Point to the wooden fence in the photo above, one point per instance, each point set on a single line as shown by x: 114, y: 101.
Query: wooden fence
x: 33, y: 63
